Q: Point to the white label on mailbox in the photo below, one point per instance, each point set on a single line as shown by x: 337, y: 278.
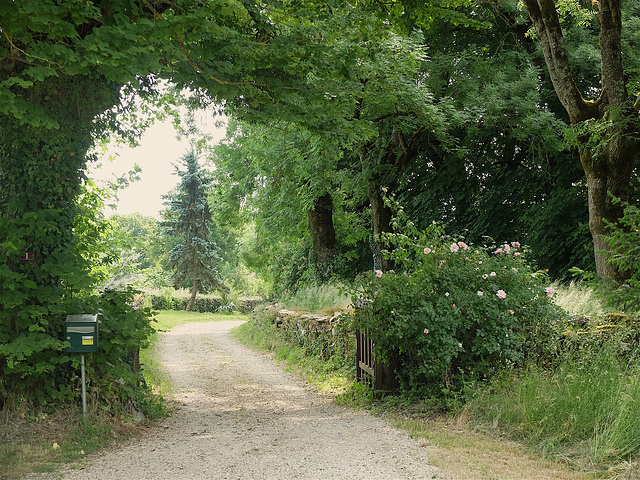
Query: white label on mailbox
x: 87, y: 340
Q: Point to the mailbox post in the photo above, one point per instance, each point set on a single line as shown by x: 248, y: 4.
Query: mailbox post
x: 81, y: 331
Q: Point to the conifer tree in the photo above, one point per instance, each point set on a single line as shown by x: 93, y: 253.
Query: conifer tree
x: 195, y: 259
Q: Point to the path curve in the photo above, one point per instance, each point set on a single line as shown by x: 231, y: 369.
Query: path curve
x: 240, y: 416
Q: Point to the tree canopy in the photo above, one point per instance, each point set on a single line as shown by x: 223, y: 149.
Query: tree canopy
x: 477, y: 116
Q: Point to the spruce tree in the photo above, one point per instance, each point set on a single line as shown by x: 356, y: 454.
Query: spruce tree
x: 195, y: 259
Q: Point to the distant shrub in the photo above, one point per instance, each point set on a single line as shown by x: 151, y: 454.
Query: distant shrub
x: 178, y: 301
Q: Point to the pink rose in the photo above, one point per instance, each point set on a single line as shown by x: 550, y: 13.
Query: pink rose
x: 378, y: 273
x: 515, y: 244
x: 498, y: 251
x: 427, y: 251
x: 426, y: 330
x: 454, y: 248
x: 549, y: 291
x: 463, y: 245
x: 501, y: 294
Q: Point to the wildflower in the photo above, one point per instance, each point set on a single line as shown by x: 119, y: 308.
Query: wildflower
x: 549, y: 291
x: 492, y: 274
x: 446, y: 294
x: 501, y: 294
x: 426, y: 331
x: 485, y: 276
x: 378, y: 273
x: 427, y: 251
x: 480, y: 293
x: 375, y: 294
x: 454, y: 248
x: 460, y: 345
x: 512, y: 312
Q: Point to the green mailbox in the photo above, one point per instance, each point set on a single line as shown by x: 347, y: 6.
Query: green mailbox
x: 81, y: 331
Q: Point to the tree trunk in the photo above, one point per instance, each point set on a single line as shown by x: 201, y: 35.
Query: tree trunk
x: 387, y: 163
x: 382, y: 216
x: 608, y: 171
x: 194, y: 291
x: 606, y: 176
x: 323, y: 233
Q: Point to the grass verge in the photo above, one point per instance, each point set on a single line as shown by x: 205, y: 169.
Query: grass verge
x: 45, y: 441
x: 326, y: 376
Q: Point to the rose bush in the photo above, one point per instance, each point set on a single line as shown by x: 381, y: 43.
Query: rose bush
x: 452, y: 312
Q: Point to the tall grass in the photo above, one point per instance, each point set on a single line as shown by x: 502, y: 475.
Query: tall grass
x: 318, y: 298
x: 584, y: 405
x: 579, y: 299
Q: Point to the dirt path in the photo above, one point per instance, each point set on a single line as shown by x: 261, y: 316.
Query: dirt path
x: 239, y: 416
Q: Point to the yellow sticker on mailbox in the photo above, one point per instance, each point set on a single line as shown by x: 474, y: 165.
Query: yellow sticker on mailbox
x: 87, y: 340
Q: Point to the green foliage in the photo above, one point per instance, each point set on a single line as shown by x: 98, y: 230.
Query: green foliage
x: 35, y: 365
x: 625, y: 254
x: 141, y: 251
x: 557, y: 231
x: 453, y: 313
x: 585, y: 405
x: 114, y: 369
x: 202, y: 304
x: 68, y: 260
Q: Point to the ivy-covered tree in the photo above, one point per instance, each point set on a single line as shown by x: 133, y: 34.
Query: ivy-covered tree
x: 195, y: 259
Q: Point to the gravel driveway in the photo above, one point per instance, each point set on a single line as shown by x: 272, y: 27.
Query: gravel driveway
x: 240, y: 416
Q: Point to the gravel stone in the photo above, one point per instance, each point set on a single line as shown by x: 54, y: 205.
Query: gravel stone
x: 240, y: 416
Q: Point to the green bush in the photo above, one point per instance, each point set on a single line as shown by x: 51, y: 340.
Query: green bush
x: 452, y: 313
x: 49, y: 376
x: 625, y: 255
x: 170, y: 301
x: 114, y: 370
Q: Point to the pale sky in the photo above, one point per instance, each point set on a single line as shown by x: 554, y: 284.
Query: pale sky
x: 159, y: 149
